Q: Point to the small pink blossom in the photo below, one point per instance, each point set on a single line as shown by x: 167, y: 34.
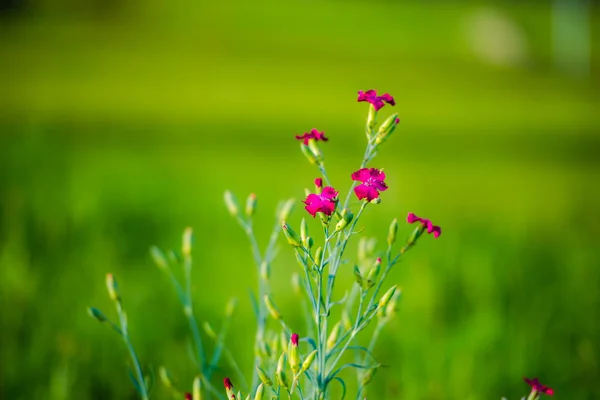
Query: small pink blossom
x: 372, y: 182
x: 538, y: 387
x: 319, y: 183
x: 377, y: 101
x: 294, y: 339
x: 313, y: 134
x: 227, y: 383
x: 436, y: 230
x: 324, y: 202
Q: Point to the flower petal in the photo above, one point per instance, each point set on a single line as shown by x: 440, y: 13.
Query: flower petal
x: 327, y: 207
x: 362, y: 175
x: 361, y: 191
x: 329, y: 193
x: 313, y: 208
x: 372, y: 193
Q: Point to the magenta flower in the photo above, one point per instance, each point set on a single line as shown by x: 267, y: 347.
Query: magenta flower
x: 538, y: 387
x: 436, y: 230
x: 324, y: 202
x: 313, y: 134
x: 295, y: 338
x: 377, y: 101
x: 319, y: 182
x: 227, y: 383
x: 372, y: 183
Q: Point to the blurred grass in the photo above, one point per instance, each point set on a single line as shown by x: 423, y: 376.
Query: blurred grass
x: 118, y: 132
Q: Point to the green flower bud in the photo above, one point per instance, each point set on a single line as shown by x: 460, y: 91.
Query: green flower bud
x: 303, y: 229
x: 275, y: 314
x: 292, y: 236
x: 293, y: 358
x: 374, y: 271
x: 386, y: 297
x: 111, y: 286
x: 259, y: 392
x: 308, y: 154
x: 308, y: 242
x: 209, y: 330
x: 393, y: 230
x: 251, y: 204
x: 197, y: 386
x: 286, y: 210
x: 412, y: 240
x: 333, y: 336
x: 314, y: 149
x: 392, y: 306
x: 371, y: 119
x: 318, y: 256
x: 230, y: 307
x: 308, y: 362
x: 387, y: 128
x: 188, y: 238
x: 159, y: 258
x: 231, y: 203
x: 358, y: 276
x: 165, y: 377
x: 368, y: 376
x: 264, y: 377
x: 95, y: 313
x: 280, y: 372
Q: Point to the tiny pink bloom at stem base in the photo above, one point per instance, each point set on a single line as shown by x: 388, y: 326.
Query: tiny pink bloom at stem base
x: 372, y: 183
x: 436, y: 230
x: 313, y: 134
x: 377, y: 101
x: 538, y: 387
x: 324, y: 202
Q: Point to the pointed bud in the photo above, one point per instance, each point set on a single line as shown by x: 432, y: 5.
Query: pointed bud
x: 188, y: 238
x: 197, y: 388
x: 333, y: 336
x: 111, y: 286
x: 165, y: 377
x: 346, y: 217
x: 159, y: 258
x: 293, y: 357
x: 387, y: 128
x: 357, y: 276
x: 209, y: 330
x: 303, y: 229
x: 314, y: 149
x: 230, y: 307
x: 368, y: 376
x: 280, y: 372
x: 275, y: 314
x: 308, y: 243
x: 228, y: 388
x: 346, y: 320
x: 308, y: 362
x: 292, y: 236
x: 319, y: 256
x: 264, y: 377
x: 231, y: 203
x: 412, y: 240
x: 308, y: 153
x: 251, y: 205
x: 371, y: 120
x: 392, y: 306
x: 387, y: 296
x: 259, y: 392
x: 376, y: 201
x: 285, y: 210
x: 319, y: 184
x: 393, y: 230
x: 95, y: 313
x: 374, y: 271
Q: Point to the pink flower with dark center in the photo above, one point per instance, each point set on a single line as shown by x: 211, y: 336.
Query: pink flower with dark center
x: 372, y: 182
x: 436, y: 230
x: 538, y: 387
x: 227, y: 383
x: 295, y: 338
x: 377, y: 101
x: 324, y: 202
x: 313, y: 134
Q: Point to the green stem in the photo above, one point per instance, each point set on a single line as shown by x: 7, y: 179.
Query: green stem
x: 136, y: 363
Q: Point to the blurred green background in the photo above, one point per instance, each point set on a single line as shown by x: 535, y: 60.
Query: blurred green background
x: 123, y: 122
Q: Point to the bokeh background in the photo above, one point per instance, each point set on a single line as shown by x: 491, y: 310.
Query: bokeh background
x: 122, y: 122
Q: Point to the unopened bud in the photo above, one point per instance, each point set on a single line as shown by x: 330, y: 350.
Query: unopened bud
x: 387, y: 296
x: 292, y: 236
x: 346, y: 218
x: 358, y: 276
x: 111, y: 285
x: 374, y: 271
x: 346, y: 320
x: 333, y: 336
x: 286, y: 210
x: 264, y: 377
x: 271, y: 307
x: 188, y: 396
x: 371, y: 119
x: 303, y: 229
x: 251, y: 204
x: 308, y: 362
x: 232, y: 204
x: 376, y: 200
x: 165, y: 377
x: 415, y: 235
x: 188, y: 239
x: 159, y: 258
x: 259, y: 392
x: 293, y: 358
x: 392, y: 306
x: 197, y: 388
x: 393, y: 230
x: 280, y: 372
x: 314, y: 149
x: 387, y: 128
x: 308, y: 154
x: 318, y: 256
x: 308, y: 243
x: 368, y: 376
x: 209, y: 330
x: 230, y: 307
x: 95, y: 313
x: 229, y: 388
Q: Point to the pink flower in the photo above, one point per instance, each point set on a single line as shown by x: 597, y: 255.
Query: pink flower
x: 295, y: 338
x: 377, y: 101
x: 324, y: 202
x: 372, y: 183
x: 436, y: 230
x: 313, y: 134
x: 227, y: 383
x: 538, y: 387
x: 319, y: 183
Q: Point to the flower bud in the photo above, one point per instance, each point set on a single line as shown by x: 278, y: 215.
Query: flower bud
x: 376, y: 200
x: 358, y: 276
x: 374, y: 271
x: 308, y: 153
x: 292, y: 236
x: 308, y: 362
x: 251, y: 204
x: 318, y: 256
x: 196, y: 388
x: 346, y: 320
x: 387, y: 296
x: 333, y: 336
x: 387, y: 128
x: 303, y: 229
x: 264, y: 377
x: 230, y: 307
x: 314, y: 149
x: 280, y: 372
x: 284, y: 341
x: 286, y: 210
x: 259, y: 392
x: 95, y: 313
x: 188, y: 238
x: 188, y: 396
x: 393, y: 230
x: 275, y: 314
x: 293, y: 358
x: 346, y: 218
x: 228, y: 388
x: 368, y: 376
x: 165, y: 377
x: 308, y: 243
x: 159, y: 258
x: 209, y: 330
x: 371, y: 119
x: 231, y: 203
x: 113, y: 290
x: 392, y: 306
x: 415, y: 235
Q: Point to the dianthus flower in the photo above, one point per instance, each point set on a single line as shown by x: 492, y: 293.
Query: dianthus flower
x: 436, y: 230
x: 372, y: 183
x: 538, y: 387
x: 313, y: 134
x: 377, y: 101
x: 324, y: 202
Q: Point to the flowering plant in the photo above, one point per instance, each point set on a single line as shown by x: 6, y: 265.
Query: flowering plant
x: 307, y: 365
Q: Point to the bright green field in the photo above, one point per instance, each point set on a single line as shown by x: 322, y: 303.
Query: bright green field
x: 118, y: 130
